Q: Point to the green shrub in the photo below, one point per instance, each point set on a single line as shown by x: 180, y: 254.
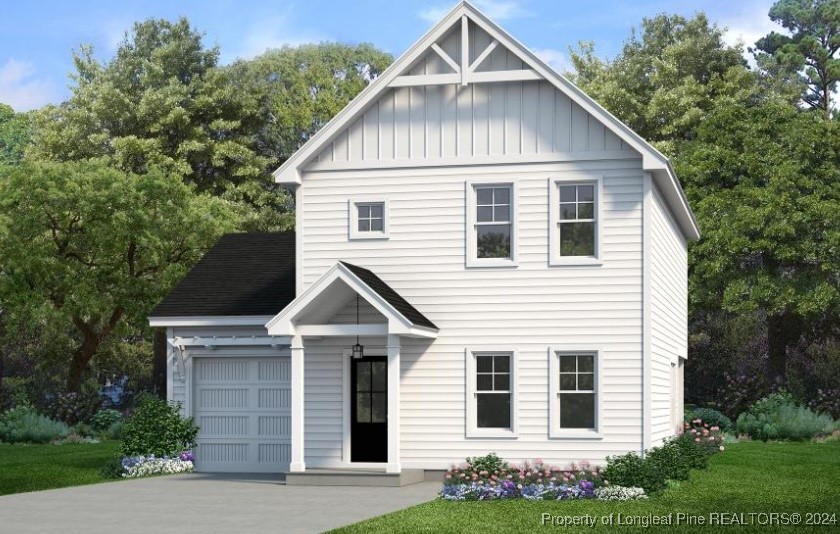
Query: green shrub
x: 24, y: 425
x: 157, y: 428
x: 489, y: 463
x: 711, y: 416
x: 630, y: 470
x: 113, y: 432
x: 694, y: 455
x: 104, y: 419
x: 83, y: 429
x: 778, y: 417
x: 671, y: 460
x: 73, y: 408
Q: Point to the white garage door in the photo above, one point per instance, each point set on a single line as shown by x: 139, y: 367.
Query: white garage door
x: 242, y: 407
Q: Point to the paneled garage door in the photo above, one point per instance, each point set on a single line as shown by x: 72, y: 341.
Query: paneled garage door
x: 242, y: 408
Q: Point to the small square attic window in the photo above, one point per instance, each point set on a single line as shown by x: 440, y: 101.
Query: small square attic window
x: 368, y: 219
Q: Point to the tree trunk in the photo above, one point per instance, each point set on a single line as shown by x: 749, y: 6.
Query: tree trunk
x: 783, y: 331
x: 81, y: 359
x: 159, y: 362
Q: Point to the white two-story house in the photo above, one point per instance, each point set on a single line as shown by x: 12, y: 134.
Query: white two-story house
x: 484, y: 260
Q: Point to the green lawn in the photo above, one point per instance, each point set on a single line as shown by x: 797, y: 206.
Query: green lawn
x: 749, y: 477
x: 38, y: 467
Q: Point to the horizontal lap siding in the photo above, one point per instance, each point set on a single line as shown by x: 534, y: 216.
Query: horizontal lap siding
x: 669, y: 323
x: 530, y: 307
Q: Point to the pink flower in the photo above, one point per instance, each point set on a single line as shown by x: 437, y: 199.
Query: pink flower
x: 572, y: 477
x: 448, y: 476
x: 715, y: 428
x: 565, y: 479
x: 539, y: 481
x: 538, y: 461
x: 474, y: 476
x: 697, y: 440
x: 711, y: 438
x: 492, y: 483
x: 494, y: 477
x: 554, y: 479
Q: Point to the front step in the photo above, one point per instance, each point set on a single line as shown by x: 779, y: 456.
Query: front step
x: 354, y: 477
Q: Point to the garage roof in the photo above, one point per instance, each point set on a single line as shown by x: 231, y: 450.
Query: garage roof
x: 249, y: 274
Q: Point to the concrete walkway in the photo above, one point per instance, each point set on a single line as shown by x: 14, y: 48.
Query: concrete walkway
x: 225, y: 504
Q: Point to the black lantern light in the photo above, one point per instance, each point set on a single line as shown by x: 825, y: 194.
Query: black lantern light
x: 358, y: 349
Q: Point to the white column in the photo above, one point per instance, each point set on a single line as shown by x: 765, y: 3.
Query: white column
x: 297, y: 465
x: 393, y: 465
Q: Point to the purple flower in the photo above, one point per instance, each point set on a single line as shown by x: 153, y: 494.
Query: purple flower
x: 187, y: 456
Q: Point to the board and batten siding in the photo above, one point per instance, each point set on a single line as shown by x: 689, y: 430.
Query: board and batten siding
x: 668, y: 318
x: 529, y: 307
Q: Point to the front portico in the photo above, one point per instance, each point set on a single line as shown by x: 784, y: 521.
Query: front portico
x: 322, y: 317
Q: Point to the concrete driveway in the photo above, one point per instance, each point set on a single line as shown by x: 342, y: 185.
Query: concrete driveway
x: 225, y: 504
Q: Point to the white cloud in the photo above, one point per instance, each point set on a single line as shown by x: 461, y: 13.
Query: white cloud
x: 273, y: 33
x: 749, y: 23
x: 20, y: 88
x: 556, y: 59
x: 495, y: 9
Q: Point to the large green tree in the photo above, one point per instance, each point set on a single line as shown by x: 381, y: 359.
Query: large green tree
x: 89, y: 249
x: 14, y: 135
x: 667, y: 78
x: 810, y: 51
x: 764, y: 182
x: 301, y: 88
x: 163, y: 101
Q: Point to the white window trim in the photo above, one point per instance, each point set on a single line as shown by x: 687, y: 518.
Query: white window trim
x: 554, y: 257
x: 471, y: 245
x: 554, y: 430
x: 472, y: 430
x: 353, y: 217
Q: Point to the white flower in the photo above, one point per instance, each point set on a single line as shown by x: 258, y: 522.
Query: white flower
x: 619, y: 493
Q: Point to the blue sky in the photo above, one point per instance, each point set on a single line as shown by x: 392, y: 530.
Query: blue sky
x: 36, y: 37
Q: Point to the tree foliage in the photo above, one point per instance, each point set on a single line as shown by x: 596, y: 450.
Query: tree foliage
x: 764, y: 182
x: 666, y: 80
x: 810, y: 52
x: 301, y: 88
x: 14, y: 135
x: 90, y: 249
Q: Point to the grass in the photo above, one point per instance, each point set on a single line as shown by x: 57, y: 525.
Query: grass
x: 749, y: 477
x: 39, y: 467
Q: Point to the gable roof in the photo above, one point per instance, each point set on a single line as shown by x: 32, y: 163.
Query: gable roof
x: 234, y: 279
x: 342, y: 280
x: 390, y: 296
x: 653, y: 161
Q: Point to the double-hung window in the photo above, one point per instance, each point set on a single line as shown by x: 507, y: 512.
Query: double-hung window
x: 491, y: 402
x: 574, y: 228
x: 574, y: 393
x: 368, y: 219
x: 491, y: 237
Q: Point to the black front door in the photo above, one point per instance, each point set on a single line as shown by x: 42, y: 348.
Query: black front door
x: 369, y: 426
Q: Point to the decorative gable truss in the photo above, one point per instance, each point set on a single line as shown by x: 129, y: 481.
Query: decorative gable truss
x: 469, y: 93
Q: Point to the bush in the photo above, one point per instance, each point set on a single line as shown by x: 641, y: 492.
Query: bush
x: 670, y: 459
x: 489, y: 463
x: 630, y: 470
x: 104, y: 419
x: 827, y: 401
x: 778, y: 417
x: 711, y: 416
x: 73, y: 408
x: 24, y: 425
x: 693, y: 454
x: 157, y: 428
